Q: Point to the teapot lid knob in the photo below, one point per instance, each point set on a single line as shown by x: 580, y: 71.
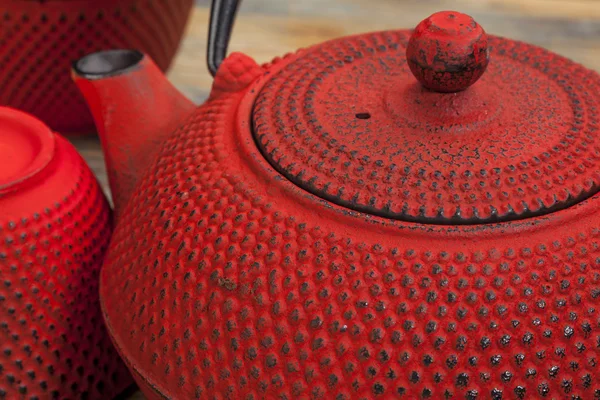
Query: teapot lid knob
x: 448, y: 52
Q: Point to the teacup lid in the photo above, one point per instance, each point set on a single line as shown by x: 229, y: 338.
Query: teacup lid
x: 348, y: 121
x: 26, y: 147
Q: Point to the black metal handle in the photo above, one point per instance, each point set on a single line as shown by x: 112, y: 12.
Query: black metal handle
x: 222, y: 18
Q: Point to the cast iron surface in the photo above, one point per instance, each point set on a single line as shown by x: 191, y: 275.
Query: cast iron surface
x: 448, y: 52
x: 222, y: 18
x: 225, y: 279
x: 55, y: 226
x: 567, y: 27
x: 347, y: 121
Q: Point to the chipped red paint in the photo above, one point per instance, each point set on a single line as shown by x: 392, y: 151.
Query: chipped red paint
x: 55, y: 225
x: 40, y: 39
x: 448, y: 52
x: 230, y: 275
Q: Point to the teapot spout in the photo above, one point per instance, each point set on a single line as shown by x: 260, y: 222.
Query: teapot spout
x: 135, y: 109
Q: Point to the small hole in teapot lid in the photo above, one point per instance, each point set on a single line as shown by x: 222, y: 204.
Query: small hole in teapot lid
x: 107, y: 63
x: 364, y: 115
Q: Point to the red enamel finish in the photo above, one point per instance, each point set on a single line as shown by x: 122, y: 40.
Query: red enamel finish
x: 229, y: 277
x: 348, y: 122
x: 40, y: 39
x: 26, y: 148
x: 239, y: 71
x: 143, y: 96
x: 55, y: 225
x: 448, y: 52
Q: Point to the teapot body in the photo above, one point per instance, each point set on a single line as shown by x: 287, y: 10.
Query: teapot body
x: 41, y: 39
x: 225, y: 278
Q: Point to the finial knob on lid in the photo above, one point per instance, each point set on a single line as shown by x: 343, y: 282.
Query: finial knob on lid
x: 448, y: 52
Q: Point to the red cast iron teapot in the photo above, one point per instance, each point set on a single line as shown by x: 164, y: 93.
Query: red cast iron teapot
x: 55, y: 226
x: 329, y: 226
x: 40, y: 39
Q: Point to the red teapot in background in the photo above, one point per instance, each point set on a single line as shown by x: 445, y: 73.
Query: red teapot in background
x: 55, y: 225
x: 408, y: 214
x: 40, y: 39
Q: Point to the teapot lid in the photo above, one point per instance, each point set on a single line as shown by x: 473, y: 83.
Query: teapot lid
x: 26, y: 147
x: 348, y: 121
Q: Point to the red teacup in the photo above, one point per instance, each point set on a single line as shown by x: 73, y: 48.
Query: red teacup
x: 55, y: 225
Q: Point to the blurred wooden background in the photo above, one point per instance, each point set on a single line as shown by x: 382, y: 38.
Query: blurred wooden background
x: 268, y: 28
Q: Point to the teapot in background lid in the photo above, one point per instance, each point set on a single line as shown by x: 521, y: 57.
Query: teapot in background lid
x: 40, y: 39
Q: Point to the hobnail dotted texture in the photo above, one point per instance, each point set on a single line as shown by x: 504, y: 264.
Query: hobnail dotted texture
x: 215, y: 286
x: 53, y: 344
x: 347, y: 121
x: 237, y: 72
x: 39, y: 42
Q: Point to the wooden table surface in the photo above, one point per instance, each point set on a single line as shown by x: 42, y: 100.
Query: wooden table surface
x: 268, y: 28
